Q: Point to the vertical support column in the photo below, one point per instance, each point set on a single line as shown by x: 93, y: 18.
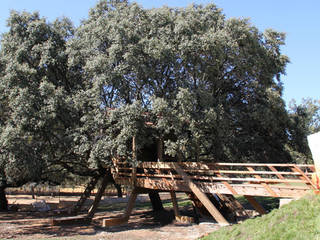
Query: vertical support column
x: 160, y: 150
x: 131, y: 202
x: 174, y: 203
x: 134, y: 158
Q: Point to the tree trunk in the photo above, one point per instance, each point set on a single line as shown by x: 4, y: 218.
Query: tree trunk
x: 155, y: 201
x: 119, y: 190
x: 85, y: 195
x: 3, y: 200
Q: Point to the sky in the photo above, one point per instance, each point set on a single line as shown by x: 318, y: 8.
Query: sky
x: 300, y: 20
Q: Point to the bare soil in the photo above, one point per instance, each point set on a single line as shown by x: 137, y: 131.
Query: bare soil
x: 23, y: 222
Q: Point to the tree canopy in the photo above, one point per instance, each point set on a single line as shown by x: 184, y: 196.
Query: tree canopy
x: 213, y: 83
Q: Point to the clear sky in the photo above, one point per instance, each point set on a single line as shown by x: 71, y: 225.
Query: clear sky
x: 300, y: 20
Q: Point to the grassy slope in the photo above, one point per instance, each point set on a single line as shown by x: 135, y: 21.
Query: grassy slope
x: 298, y: 220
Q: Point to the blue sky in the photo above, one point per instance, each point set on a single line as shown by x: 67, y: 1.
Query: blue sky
x: 300, y: 20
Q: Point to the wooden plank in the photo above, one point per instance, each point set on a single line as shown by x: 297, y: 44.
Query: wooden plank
x: 212, y: 172
x: 70, y: 220
x: 255, y: 204
x: 273, y: 194
x: 202, y: 197
x: 114, y: 221
x: 234, y: 192
x: 278, y: 174
x: 204, y: 166
x: 297, y: 169
x: 210, y: 178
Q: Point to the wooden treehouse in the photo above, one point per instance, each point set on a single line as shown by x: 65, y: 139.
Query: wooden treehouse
x: 201, y: 181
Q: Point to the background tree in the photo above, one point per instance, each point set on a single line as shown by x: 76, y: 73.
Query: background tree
x: 304, y: 120
x: 35, y: 112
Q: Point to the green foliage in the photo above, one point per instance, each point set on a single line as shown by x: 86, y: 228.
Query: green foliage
x: 304, y: 120
x: 210, y: 85
x: 297, y: 220
x: 34, y: 87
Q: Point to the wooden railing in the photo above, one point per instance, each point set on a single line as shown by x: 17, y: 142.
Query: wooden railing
x: 251, y: 179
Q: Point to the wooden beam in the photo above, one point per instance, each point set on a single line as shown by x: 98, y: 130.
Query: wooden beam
x: 174, y: 203
x: 278, y: 174
x: 123, y: 219
x: 272, y: 193
x: 131, y: 202
x: 303, y: 175
x: 217, y: 187
x: 202, y: 197
x: 160, y: 149
x: 255, y: 204
x: 134, y: 157
x: 98, y: 196
x: 257, y: 179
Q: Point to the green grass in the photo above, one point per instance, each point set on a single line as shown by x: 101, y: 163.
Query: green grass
x: 269, y: 203
x: 298, y: 220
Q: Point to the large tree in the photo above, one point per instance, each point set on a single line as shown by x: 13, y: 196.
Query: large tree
x: 35, y: 88
x: 210, y: 85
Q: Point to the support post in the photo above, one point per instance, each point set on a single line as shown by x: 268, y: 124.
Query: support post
x: 134, y: 157
x: 126, y: 215
x: 97, y: 199
x: 202, y: 197
x: 174, y: 203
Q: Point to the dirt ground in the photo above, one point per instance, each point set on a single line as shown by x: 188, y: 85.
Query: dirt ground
x: 25, y: 223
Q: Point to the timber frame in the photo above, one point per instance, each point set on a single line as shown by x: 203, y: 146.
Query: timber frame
x: 247, y: 179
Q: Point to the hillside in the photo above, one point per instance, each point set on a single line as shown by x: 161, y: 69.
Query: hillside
x: 298, y: 220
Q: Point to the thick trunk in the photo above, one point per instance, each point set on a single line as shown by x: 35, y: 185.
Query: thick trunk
x: 119, y: 190
x: 155, y: 201
x: 3, y: 200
